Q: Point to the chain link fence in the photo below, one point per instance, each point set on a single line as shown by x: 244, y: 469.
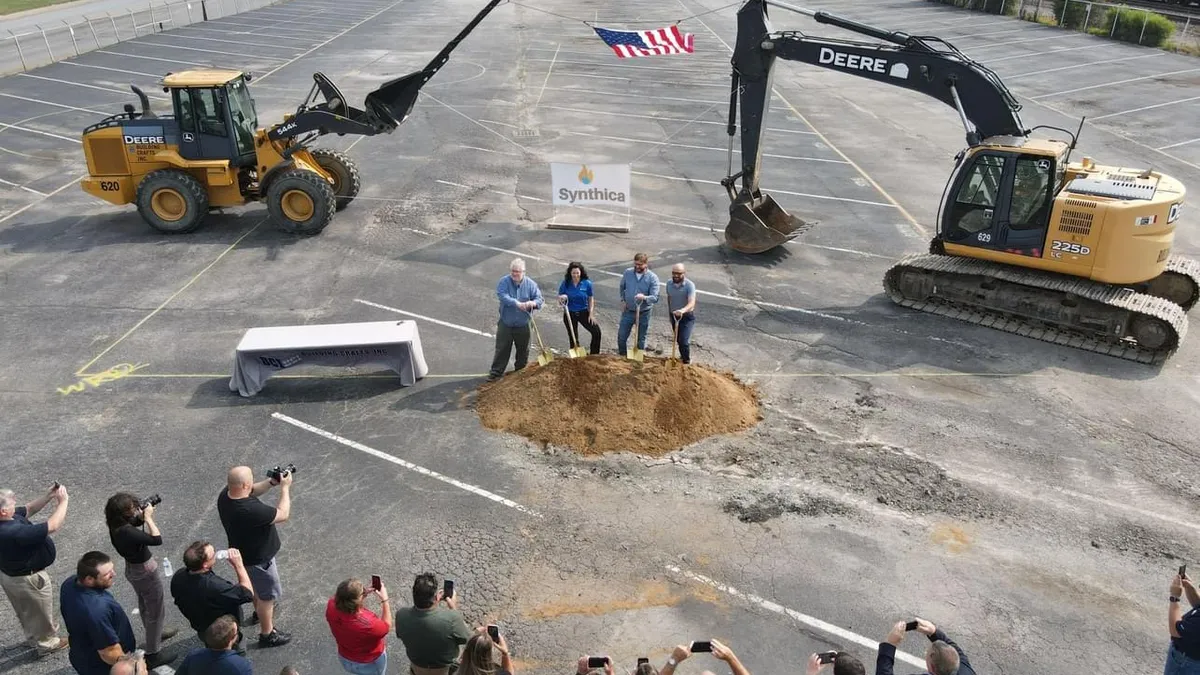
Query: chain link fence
x: 52, y: 42
x: 1140, y: 24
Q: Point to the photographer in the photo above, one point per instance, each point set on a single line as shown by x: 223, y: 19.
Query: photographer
x: 718, y: 650
x: 26, y: 550
x: 942, y: 658
x: 250, y: 526
x: 132, y: 530
x: 432, y: 636
x: 1183, y: 654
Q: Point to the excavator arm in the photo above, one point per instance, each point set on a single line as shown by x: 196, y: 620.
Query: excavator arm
x: 927, y: 65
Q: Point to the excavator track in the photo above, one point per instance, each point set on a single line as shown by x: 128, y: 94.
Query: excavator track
x: 1179, y: 282
x: 1070, y: 311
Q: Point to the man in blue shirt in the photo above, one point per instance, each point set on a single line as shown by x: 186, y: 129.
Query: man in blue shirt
x: 639, y: 289
x: 217, y: 656
x: 519, y: 296
x: 99, y: 628
x: 26, y: 550
x: 681, y: 302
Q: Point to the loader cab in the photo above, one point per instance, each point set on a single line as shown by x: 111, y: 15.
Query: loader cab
x: 1001, y: 196
x: 216, y: 115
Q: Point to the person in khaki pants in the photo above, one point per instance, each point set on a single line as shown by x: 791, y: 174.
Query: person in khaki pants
x: 26, y: 550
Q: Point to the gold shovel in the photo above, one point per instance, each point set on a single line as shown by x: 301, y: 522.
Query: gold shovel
x: 544, y: 357
x: 674, y: 361
x: 575, y: 352
x: 635, y: 354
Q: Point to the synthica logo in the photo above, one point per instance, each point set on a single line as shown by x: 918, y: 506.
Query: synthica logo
x: 586, y: 176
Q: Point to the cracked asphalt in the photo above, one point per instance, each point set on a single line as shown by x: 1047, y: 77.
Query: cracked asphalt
x: 1032, y: 500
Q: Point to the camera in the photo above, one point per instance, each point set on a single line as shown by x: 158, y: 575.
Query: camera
x: 152, y: 500
x: 277, y: 473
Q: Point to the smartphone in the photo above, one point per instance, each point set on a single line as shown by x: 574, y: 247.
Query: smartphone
x: 827, y: 657
x: 705, y: 646
x: 376, y: 582
x: 448, y: 589
x: 494, y: 632
x: 641, y: 660
x: 223, y: 554
x: 597, y: 661
x: 1183, y: 570
x: 911, y: 625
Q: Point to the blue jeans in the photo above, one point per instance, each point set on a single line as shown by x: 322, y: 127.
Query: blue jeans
x: 686, y: 324
x: 1179, y: 663
x: 627, y: 326
x: 355, y: 668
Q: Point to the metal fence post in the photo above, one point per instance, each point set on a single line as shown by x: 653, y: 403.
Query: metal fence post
x: 17, y: 42
x: 1087, y: 20
x: 1187, y: 24
x: 93, y: 29
x: 47, y: 41
x: 71, y: 30
x: 1145, y: 20
x: 1116, y: 19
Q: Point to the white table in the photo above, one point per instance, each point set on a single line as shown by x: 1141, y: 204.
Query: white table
x: 266, y: 351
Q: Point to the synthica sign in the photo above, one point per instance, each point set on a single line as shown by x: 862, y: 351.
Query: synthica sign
x: 590, y: 184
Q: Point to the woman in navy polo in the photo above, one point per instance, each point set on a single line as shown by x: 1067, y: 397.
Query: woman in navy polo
x: 575, y: 293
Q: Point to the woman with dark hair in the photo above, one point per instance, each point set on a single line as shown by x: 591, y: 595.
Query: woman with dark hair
x: 478, y: 657
x: 576, y: 296
x: 361, y: 636
x: 127, y: 524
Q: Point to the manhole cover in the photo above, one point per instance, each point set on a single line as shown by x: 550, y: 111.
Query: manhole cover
x: 525, y: 133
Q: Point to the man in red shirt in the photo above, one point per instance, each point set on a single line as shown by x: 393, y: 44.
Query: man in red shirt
x: 361, y: 636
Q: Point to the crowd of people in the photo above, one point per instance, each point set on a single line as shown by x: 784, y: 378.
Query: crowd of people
x: 640, y: 290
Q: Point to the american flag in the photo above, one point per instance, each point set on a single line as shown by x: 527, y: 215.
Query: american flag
x: 627, y: 43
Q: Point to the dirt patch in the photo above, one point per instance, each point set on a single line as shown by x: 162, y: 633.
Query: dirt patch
x: 606, y: 403
x: 762, y: 508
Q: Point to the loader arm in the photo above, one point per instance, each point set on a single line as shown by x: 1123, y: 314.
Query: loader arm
x: 927, y: 65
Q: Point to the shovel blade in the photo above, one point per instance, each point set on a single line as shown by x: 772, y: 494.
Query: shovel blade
x: 544, y: 359
x: 635, y: 355
x: 578, y: 352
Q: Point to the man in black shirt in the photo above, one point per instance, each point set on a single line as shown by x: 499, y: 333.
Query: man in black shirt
x: 26, y: 550
x: 133, y: 531
x: 943, y: 657
x: 202, y: 596
x: 250, y: 526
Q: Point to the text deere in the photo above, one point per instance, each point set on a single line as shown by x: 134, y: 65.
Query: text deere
x: 853, y: 61
x: 139, y: 140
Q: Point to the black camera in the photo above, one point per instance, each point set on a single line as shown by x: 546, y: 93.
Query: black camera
x: 152, y: 500
x: 277, y: 473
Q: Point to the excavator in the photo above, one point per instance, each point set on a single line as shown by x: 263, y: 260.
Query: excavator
x: 1027, y: 241
x: 211, y: 153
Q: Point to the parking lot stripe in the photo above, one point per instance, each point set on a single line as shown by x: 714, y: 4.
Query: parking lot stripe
x: 153, y: 58
x: 1176, y: 145
x: 657, y: 118
x: 621, y: 94
x: 56, y: 105
x: 630, y: 80
x: 406, y: 464
x: 331, y: 39
x: 447, y: 324
x: 5, y: 125
x: 782, y: 192
x: 1147, y: 107
x: 1081, y: 65
x: 811, y: 622
x: 206, y: 51
x: 236, y: 42
x: 115, y: 70
x: 30, y: 205
x: 18, y: 185
x: 1027, y: 55
x: 1110, y: 84
x: 88, y: 86
x: 699, y: 147
x: 258, y: 27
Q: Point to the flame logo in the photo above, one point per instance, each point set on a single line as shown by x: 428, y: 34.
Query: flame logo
x: 585, y: 175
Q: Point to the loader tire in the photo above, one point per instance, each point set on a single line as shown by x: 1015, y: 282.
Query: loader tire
x: 300, y: 202
x: 172, y: 201
x: 345, y: 174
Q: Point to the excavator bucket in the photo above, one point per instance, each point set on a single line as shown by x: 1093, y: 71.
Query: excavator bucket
x: 761, y: 225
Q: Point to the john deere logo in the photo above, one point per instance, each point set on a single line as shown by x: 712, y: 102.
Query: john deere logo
x: 585, y: 175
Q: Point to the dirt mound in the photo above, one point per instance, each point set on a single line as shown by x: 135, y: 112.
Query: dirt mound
x: 606, y: 403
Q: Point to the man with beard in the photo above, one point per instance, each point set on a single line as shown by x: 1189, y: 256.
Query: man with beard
x: 97, y: 624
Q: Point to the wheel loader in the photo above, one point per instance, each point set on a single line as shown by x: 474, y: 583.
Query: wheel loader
x: 210, y: 153
x: 1027, y: 241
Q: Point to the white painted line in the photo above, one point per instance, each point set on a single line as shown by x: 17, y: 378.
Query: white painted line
x: 90, y: 86
x: 14, y: 214
x: 338, y: 35
x: 660, y: 119
x: 56, y: 105
x: 1147, y: 107
x: 18, y: 185
x: 699, y: 147
x: 499, y: 192
x: 236, y: 42
x: 1027, y: 55
x: 1176, y: 145
x: 1063, y: 36
x: 115, y: 70
x: 465, y: 329
x: 690, y: 85
x: 1081, y: 65
x: 406, y: 464
x: 614, y: 65
x: 503, y: 124
x: 547, y: 80
x: 153, y: 58
x: 784, y: 192
x: 39, y: 132
x: 197, y: 49
x: 811, y: 622
x: 498, y: 152
x: 621, y: 94
x: 258, y: 27
x: 1111, y: 84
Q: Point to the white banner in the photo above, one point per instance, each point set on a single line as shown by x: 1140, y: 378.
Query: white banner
x: 590, y: 184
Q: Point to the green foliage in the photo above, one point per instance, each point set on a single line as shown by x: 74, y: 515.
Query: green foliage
x: 1076, y: 13
x: 1158, y: 29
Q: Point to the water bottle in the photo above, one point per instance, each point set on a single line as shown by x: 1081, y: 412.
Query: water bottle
x: 167, y: 571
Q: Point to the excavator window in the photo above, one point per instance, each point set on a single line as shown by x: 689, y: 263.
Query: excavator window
x: 976, y: 199
x: 1031, y: 193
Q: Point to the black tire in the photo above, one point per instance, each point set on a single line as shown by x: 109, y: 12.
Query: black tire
x: 345, y: 173
x: 300, y: 201
x: 172, y: 201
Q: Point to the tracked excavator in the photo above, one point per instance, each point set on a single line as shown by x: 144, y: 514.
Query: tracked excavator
x: 211, y: 153
x: 1027, y: 241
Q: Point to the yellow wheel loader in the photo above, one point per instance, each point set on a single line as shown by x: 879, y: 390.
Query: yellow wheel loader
x: 211, y: 153
x: 1027, y: 241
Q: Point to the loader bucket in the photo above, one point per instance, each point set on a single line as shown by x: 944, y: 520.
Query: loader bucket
x: 760, y: 226
x: 393, y: 102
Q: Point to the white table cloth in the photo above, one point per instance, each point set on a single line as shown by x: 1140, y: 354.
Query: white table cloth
x: 266, y: 351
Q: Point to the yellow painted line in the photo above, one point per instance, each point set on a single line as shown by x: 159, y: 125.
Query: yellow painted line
x: 158, y: 309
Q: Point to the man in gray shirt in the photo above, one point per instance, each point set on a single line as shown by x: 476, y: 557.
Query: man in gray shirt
x: 681, y: 301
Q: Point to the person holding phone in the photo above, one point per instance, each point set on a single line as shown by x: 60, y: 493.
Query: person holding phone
x: 1183, y: 652
x: 478, y: 657
x: 943, y: 657
x: 843, y: 664
x: 717, y: 649
x: 360, y: 634
x: 432, y: 635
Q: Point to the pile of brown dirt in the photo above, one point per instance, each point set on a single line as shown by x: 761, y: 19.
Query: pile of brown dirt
x: 606, y: 403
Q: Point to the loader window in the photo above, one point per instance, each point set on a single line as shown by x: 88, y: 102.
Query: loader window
x: 245, y: 119
x: 977, y: 197
x: 210, y: 114
x: 183, y: 103
x: 1031, y: 193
